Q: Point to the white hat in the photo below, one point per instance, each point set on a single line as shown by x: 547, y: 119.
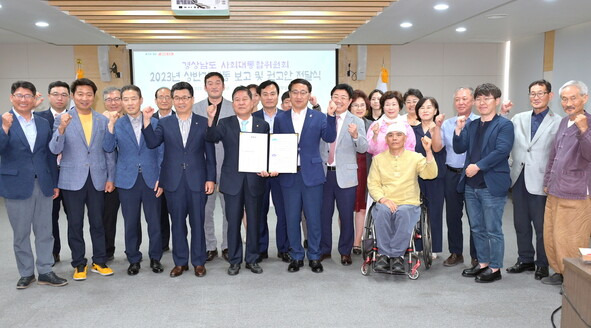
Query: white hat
x: 396, y: 127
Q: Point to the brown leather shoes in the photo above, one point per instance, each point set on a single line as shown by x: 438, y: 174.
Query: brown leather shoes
x: 200, y: 271
x: 346, y: 260
x: 453, y: 260
x: 178, y: 270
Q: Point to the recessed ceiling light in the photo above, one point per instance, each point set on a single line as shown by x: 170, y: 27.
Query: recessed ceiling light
x: 461, y: 29
x: 42, y: 24
x: 441, y: 6
x: 406, y: 25
x: 496, y: 16
x: 0, y: 6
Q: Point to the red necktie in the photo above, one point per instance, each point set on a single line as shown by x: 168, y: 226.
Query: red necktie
x: 333, y: 145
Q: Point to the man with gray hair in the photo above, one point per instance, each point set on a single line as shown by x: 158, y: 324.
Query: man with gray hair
x: 113, y: 106
x: 567, y: 218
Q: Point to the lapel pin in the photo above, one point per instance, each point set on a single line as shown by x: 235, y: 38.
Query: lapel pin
x: 310, y: 115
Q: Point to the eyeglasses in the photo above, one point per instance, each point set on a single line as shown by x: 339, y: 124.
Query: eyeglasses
x: 538, y: 94
x: 342, y: 98
x: 163, y: 97
x: 298, y: 93
x: 113, y: 100
x: 63, y: 95
x: 25, y: 97
x: 484, y: 99
x: 358, y: 105
x: 185, y: 98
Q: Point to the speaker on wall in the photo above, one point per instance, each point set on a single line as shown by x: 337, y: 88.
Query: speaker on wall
x: 361, y: 62
x: 103, y: 63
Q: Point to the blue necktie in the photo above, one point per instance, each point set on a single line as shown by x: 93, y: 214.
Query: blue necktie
x: 243, y: 125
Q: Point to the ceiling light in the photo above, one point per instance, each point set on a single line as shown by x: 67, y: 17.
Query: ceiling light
x: 42, y: 24
x: 406, y: 25
x: 496, y: 16
x: 461, y: 29
x: 441, y: 6
x: 0, y: 6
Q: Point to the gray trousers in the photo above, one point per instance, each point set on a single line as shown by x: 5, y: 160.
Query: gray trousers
x: 209, y: 224
x: 23, y: 214
x: 393, y: 230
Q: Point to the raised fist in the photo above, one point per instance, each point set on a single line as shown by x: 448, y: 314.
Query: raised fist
x: 352, y: 128
x: 65, y: 119
x: 580, y: 122
x: 332, y: 107
x: 7, y: 121
x: 211, y: 109
x: 439, y: 119
x: 426, y: 141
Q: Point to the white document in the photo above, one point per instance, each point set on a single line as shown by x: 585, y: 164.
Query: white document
x: 283, y: 153
x: 252, y: 156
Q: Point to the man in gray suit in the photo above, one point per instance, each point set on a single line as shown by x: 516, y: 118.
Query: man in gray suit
x: 341, y: 178
x: 86, y: 173
x: 214, y: 85
x: 535, y: 131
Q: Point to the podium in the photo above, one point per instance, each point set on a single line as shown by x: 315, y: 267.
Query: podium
x: 576, y: 294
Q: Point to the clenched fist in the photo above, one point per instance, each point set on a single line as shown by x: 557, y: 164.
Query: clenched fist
x: 65, y: 119
x: 460, y: 123
x: 426, y: 141
x: 7, y: 121
x: 580, y: 122
x: 148, y: 112
x: 332, y: 107
x: 352, y: 128
x: 439, y: 119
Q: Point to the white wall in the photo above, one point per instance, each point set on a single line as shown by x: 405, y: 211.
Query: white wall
x: 572, y: 58
x: 438, y: 69
x: 38, y: 63
x: 527, y: 65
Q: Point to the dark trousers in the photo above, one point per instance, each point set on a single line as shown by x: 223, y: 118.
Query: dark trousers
x: 433, y: 190
x: 55, y: 216
x: 110, y: 220
x: 529, y: 209
x: 345, y: 200
x: 454, y: 206
x: 235, y: 207
x: 295, y: 198
x: 183, y: 202
x: 131, y: 203
x: 164, y: 221
x: 272, y: 187
x: 74, y: 201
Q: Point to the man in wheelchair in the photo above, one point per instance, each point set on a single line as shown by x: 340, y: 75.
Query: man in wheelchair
x: 393, y: 183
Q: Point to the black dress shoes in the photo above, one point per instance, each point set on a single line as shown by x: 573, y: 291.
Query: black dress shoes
x: 488, y: 275
x: 519, y: 267
x: 212, y: 255
x: 156, y: 266
x: 316, y: 266
x: 178, y: 270
x: 262, y: 256
x: 25, y: 282
x: 225, y: 254
x: 285, y: 257
x: 234, y: 269
x: 346, y: 260
x: 295, y: 265
x: 356, y: 250
x: 254, y: 268
x: 134, y: 268
x: 541, y: 272
x: 473, y: 271
x: 51, y: 279
x: 555, y: 279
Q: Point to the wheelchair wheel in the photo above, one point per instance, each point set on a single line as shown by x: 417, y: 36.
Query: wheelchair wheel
x: 365, y: 267
x: 414, y: 263
x: 426, y: 237
x: 368, y: 238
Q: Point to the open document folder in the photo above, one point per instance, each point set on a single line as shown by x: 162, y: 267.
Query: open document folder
x: 268, y: 152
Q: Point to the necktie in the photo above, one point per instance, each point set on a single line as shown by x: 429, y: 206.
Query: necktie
x: 243, y: 125
x: 333, y: 146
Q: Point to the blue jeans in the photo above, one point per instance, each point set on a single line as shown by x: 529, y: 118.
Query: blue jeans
x: 394, y: 230
x: 485, y: 213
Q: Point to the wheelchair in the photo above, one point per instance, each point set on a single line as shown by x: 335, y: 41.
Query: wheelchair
x: 413, y: 258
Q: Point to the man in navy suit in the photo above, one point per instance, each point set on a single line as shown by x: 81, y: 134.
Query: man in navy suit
x: 136, y: 177
x: 485, y: 179
x: 269, y: 93
x: 28, y: 182
x: 59, y: 101
x: 241, y: 190
x: 187, y: 175
x: 305, y: 187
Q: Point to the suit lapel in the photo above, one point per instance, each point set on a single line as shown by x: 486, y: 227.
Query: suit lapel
x: 345, y: 127
x: 256, y: 125
x: 307, y: 120
x: 129, y: 130
x: 192, y: 130
x: 77, y: 125
x: 489, y: 130
x: 543, y: 126
x: 18, y: 130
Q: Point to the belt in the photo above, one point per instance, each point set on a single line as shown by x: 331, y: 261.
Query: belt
x: 453, y: 169
x: 331, y: 168
x: 299, y: 168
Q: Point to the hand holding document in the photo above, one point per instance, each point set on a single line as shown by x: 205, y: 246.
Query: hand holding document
x: 277, y: 153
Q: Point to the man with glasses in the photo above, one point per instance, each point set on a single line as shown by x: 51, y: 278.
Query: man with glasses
x: 28, y: 183
x: 187, y: 175
x: 535, y: 131
x: 485, y: 179
x: 59, y: 101
x: 113, y: 107
x: 304, y: 188
x: 214, y: 86
x: 86, y: 173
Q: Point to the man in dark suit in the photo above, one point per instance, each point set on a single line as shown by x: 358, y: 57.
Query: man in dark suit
x: 305, y: 187
x: 59, y: 101
x: 136, y: 177
x: 485, y: 179
x: 187, y: 175
x: 28, y: 182
x: 241, y: 190
x: 269, y: 93
x: 164, y: 104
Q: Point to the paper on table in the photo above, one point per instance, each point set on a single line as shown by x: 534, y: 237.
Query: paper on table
x: 283, y: 153
x: 252, y: 152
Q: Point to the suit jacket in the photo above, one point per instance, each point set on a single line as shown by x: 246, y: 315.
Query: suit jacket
x: 19, y: 165
x: 78, y: 158
x: 157, y: 114
x: 496, y: 147
x: 48, y: 115
x: 346, y: 151
x: 227, y: 110
x: 228, y: 132
x: 317, y: 126
x: 132, y: 156
x: 530, y: 154
x: 196, y: 159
